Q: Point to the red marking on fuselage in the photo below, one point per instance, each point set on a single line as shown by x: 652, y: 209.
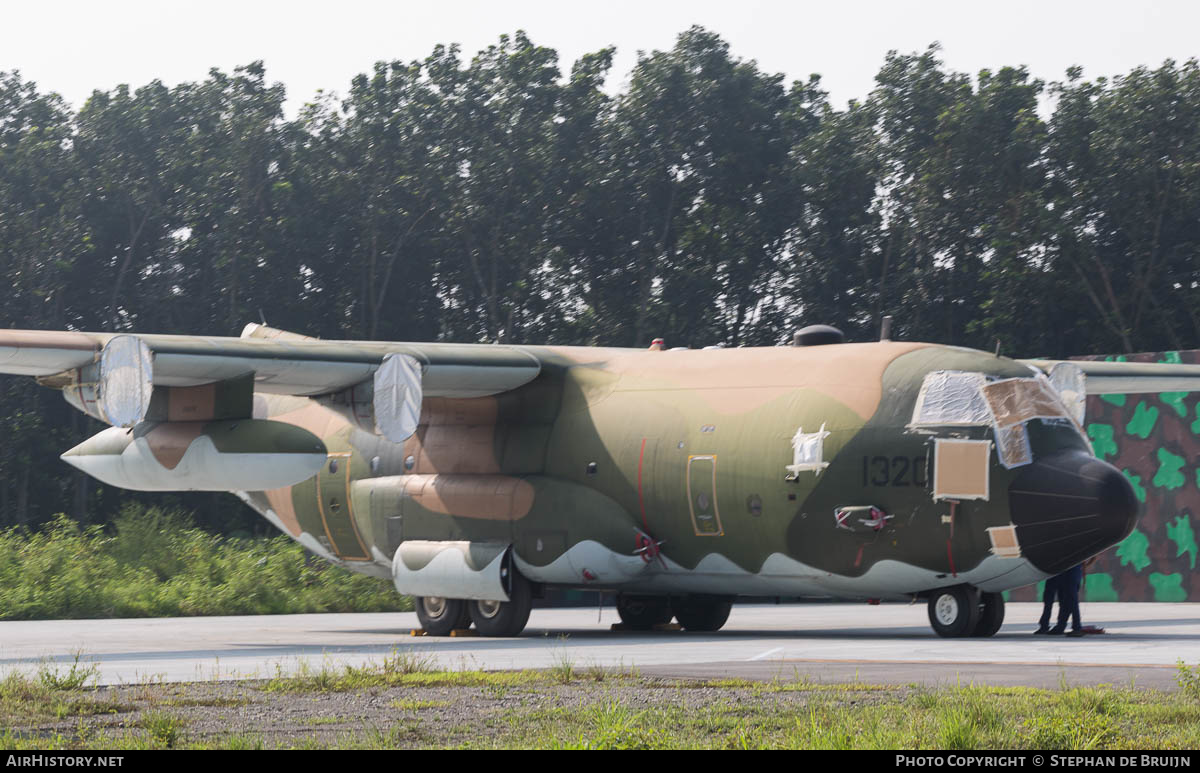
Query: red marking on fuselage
x: 641, y: 502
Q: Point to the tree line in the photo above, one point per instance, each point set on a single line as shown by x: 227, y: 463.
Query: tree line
x: 502, y: 199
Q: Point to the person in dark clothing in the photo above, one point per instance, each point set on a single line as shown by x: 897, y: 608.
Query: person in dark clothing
x: 1049, y: 593
x: 1068, y: 601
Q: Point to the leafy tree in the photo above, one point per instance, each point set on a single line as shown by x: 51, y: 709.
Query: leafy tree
x: 1126, y: 190
x: 42, y: 238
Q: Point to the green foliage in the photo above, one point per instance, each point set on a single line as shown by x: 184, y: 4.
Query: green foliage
x: 155, y: 563
x: 615, y: 726
x: 957, y: 732
x: 162, y: 729
x: 533, y: 709
x: 823, y: 730
x: 1188, y: 679
x: 407, y: 667
x: 243, y: 742
x: 1060, y: 732
x: 41, y: 696
x: 490, y: 198
x: 563, y: 667
x: 76, y: 676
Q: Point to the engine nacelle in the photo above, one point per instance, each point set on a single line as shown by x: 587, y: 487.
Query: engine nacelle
x: 116, y: 389
x: 388, y: 404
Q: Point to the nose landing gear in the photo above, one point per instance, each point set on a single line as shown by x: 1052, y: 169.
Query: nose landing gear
x: 963, y: 610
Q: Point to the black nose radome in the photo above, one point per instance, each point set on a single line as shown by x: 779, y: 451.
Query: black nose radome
x: 1069, y: 506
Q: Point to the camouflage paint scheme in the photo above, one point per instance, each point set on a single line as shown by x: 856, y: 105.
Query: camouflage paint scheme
x: 644, y: 471
x: 1154, y: 439
x: 591, y: 461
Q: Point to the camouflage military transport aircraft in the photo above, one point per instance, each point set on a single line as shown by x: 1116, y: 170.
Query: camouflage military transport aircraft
x: 476, y: 476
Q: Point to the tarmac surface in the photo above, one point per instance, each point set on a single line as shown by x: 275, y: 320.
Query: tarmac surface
x: 885, y: 644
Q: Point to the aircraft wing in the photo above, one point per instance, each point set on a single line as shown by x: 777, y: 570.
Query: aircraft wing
x: 1108, y: 378
x: 280, y: 366
x: 114, y: 376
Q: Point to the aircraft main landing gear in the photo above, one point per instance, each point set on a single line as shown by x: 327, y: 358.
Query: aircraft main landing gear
x: 702, y: 613
x: 642, y: 613
x: 504, y: 618
x: 439, y: 616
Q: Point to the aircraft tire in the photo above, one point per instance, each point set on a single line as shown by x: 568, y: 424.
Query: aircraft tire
x: 504, y: 618
x: 702, y: 613
x: 954, y: 611
x: 991, y: 614
x: 439, y: 616
x: 641, y: 613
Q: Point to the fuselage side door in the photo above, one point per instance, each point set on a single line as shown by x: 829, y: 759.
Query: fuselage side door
x: 702, y: 496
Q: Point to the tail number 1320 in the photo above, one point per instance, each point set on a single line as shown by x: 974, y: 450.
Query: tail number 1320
x: 894, y: 471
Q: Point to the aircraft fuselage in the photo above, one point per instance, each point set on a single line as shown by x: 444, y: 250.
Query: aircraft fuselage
x: 668, y: 473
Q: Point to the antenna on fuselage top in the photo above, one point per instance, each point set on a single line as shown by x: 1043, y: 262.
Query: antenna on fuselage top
x: 885, y: 329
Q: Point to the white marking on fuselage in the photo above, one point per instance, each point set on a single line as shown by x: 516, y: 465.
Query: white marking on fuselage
x: 605, y: 566
x: 717, y: 574
x: 778, y: 576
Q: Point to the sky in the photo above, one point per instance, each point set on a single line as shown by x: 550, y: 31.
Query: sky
x: 73, y: 47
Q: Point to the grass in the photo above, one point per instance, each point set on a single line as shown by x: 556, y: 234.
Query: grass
x: 52, y: 693
x: 1188, y: 679
x: 401, y: 669
x: 154, y: 563
x: 76, y: 675
x: 162, y: 729
x: 416, y: 705
x: 620, y: 709
x: 563, y: 669
x: 412, y: 702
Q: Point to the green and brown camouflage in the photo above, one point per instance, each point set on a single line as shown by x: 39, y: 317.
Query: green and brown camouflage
x: 866, y: 470
x: 617, y: 450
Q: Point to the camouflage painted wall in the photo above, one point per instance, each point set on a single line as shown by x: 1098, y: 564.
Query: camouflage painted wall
x: 1155, y: 441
